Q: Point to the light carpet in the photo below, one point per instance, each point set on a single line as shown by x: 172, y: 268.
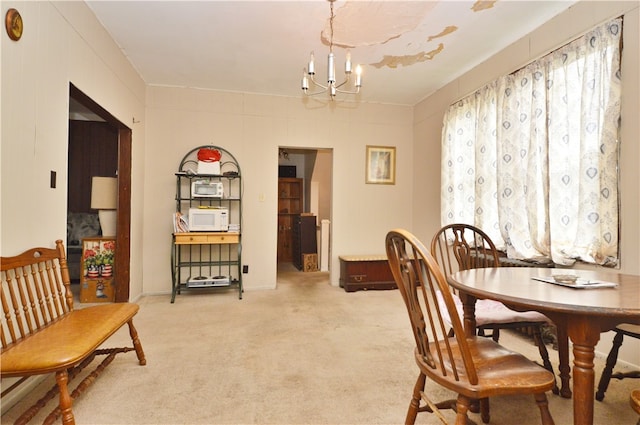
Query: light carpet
x: 305, y: 353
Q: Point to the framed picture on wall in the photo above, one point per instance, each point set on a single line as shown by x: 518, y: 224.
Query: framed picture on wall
x: 380, y: 165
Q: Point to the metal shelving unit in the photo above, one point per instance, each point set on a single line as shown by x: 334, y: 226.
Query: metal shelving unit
x: 208, y: 260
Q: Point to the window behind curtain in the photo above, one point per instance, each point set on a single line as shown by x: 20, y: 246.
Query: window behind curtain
x: 532, y: 158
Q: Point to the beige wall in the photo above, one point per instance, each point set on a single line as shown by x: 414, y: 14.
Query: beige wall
x: 62, y: 43
x: 252, y: 127
x: 429, y: 113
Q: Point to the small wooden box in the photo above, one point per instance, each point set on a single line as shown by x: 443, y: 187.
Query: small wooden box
x: 97, y: 291
x: 310, y: 262
x: 359, y: 272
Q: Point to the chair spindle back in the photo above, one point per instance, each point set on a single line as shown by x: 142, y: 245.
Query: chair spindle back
x: 419, y: 278
x: 464, y: 246
x: 35, y: 291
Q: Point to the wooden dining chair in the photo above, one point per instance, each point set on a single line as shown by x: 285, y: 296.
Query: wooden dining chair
x: 475, y: 368
x: 632, y: 331
x: 461, y: 247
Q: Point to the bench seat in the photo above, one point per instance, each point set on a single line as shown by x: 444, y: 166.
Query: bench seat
x: 66, y: 341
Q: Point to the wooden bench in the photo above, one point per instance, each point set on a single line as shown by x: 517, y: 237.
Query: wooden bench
x: 42, y: 333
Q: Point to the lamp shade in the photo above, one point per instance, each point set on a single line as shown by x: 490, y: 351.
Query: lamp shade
x: 104, y: 191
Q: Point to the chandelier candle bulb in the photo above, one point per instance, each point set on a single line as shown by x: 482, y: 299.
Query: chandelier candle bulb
x: 312, y: 67
x: 347, y: 64
x: 305, y: 80
x: 358, y: 76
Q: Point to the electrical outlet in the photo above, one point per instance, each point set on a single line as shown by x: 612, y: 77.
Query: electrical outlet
x: 245, y: 269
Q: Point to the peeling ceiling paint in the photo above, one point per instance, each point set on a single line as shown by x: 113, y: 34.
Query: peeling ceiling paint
x: 372, y: 23
x: 483, y: 5
x: 448, y: 30
x: 407, y: 60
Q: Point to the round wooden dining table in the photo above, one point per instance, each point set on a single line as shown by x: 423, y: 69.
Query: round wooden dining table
x: 583, y: 312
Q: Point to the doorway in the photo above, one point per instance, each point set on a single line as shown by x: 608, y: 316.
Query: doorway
x: 312, y: 169
x: 113, y: 149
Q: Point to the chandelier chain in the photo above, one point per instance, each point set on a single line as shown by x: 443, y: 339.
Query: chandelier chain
x: 331, y: 27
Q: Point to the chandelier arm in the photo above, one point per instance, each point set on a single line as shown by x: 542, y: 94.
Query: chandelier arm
x: 356, y: 91
x: 318, y: 84
x: 315, y: 93
x: 342, y: 83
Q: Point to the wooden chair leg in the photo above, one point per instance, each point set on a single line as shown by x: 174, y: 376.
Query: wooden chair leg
x: 495, y: 334
x: 543, y: 405
x: 485, y: 414
x: 62, y: 379
x: 462, y: 407
x: 414, y: 406
x: 612, y: 358
x: 563, y: 357
x: 544, y: 354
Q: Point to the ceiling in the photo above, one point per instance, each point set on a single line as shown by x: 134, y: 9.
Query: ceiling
x: 407, y: 49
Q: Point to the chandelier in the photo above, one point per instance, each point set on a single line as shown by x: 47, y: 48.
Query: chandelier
x: 331, y: 87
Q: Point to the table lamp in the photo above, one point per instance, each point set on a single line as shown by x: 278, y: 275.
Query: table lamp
x: 104, y: 191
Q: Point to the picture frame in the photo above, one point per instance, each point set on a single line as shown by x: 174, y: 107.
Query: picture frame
x: 380, y: 165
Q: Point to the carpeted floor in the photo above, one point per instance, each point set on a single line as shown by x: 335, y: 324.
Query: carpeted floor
x: 306, y: 353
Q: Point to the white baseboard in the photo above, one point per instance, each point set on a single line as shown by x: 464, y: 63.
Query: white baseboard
x: 20, y: 392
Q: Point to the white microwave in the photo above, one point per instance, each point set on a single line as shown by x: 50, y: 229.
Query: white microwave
x: 208, y: 219
x: 207, y: 189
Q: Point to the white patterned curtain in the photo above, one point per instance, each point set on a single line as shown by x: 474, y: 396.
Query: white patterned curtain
x: 468, y: 190
x: 522, y: 167
x: 532, y: 158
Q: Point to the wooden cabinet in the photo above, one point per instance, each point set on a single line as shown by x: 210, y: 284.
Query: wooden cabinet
x: 303, y: 238
x: 96, y: 276
x: 290, y: 203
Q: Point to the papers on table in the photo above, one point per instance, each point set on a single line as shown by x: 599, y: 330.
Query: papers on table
x: 580, y: 283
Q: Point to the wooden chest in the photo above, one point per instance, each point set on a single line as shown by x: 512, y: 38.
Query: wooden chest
x: 363, y: 272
